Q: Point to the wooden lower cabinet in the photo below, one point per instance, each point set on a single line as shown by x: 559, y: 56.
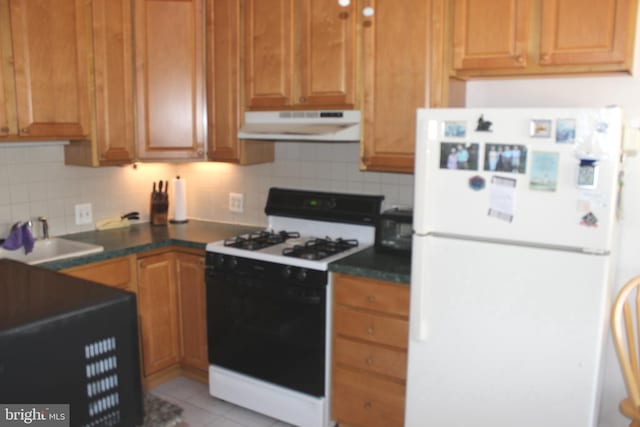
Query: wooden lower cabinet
x: 171, y: 298
x: 364, y: 400
x: 172, y: 306
x: 158, y: 311
x: 193, y: 312
x: 369, y: 356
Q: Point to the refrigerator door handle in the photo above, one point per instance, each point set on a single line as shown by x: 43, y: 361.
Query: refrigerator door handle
x: 418, y: 321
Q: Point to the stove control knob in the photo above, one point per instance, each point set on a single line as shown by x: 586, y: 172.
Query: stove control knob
x: 286, y: 272
x: 302, y: 274
x: 232, y: 262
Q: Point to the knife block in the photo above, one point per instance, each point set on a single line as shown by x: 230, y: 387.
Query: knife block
x: 159, y: 208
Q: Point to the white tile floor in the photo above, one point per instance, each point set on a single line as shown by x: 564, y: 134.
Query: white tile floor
x: 203, y: 410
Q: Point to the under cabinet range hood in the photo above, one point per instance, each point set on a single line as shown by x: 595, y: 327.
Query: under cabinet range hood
x: 338, y: 126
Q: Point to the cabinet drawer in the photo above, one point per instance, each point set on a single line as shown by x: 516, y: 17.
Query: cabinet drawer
x: 371, y: 327
x: 372, y: 294
x: 361, y: 400
x: 371, y: 358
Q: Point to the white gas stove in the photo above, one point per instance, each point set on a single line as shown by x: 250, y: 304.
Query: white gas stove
x: 269, y: 303
x: 297, y: 242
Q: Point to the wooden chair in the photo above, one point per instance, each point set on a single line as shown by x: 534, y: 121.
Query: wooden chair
x: 625, y: 325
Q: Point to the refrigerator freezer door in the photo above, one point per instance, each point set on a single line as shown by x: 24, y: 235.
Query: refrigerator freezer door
x: 538, y: 202
x: 510, y: 336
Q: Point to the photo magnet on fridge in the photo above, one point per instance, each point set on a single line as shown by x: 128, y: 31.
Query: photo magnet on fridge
x: 459, y: 155
x: 540, y: 128
x: 510, y: 158
x: 565, y: 131
x: 455, y: 129
x: 544, y: 171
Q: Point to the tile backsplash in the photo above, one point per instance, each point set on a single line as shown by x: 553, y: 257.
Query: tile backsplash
x: 34, y: 181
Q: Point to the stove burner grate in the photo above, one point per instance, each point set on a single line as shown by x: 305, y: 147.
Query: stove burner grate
x: 317, y: 249
x: 260, y: 239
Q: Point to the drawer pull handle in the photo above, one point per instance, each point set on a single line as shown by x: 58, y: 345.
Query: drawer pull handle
x: 370, y: 330
x: 367, y: 405
x: 369, y: 361
x: 371, y: 298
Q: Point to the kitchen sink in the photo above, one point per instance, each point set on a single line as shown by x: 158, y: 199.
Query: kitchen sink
x: 51, y: 250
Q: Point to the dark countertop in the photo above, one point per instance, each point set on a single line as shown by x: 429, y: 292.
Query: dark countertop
x: 196, y: 234
x: 144, y: 237
x: 375, y: 265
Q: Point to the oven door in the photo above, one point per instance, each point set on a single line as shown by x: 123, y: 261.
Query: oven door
x: 265, y: 322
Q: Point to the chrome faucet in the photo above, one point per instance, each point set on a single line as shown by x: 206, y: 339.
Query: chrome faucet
x: 45, y: 226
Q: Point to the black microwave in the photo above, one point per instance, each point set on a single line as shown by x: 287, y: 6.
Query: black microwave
x: 394, y: 230
x: 68, y: 341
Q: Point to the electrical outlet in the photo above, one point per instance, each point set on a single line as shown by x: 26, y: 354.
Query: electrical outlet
x: 84, y: 215
x: 236, y: 202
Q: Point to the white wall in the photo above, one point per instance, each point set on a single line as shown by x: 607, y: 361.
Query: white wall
x: 586, y: 92
x: 317, y: 166
x: 34, y: 181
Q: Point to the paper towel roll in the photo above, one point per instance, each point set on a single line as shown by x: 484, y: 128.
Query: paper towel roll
x: 179, y: 200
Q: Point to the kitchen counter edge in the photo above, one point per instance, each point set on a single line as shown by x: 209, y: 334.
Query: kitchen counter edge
x: 373, y: 264
x: 144, y: 237
x: 139, y: 238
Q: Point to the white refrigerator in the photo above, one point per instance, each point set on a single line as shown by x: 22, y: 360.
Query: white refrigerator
x: 514, y: 230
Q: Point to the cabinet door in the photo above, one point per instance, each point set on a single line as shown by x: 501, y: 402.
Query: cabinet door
x: 269, y: 59
x: 490, y: 34
x: 51, y: 48
x: 586, y: 31
x: 396, y: 73
x: 225, y: 105
x: 158, y: 310
x: 8, y: 119
x: 170, y: 98
x: 113, y: 60
x: 193, y: 311
x: 223, y: 78
x: 328, y: 54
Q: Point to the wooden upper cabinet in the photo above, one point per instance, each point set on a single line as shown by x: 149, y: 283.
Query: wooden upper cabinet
x: 112, y: 139
x: 113, y: 61
x: 404, y: 69
x: 536, y: 37
x: 299, y: 54
x: 586, y: 31
x: 8, y: 118
x: 223, y: 79
x: 490, y: 34
x: 170, y: 93
x: 51, y: 46
x: 224, y: 87
x: 328, y: 54
x: 269, y: 56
